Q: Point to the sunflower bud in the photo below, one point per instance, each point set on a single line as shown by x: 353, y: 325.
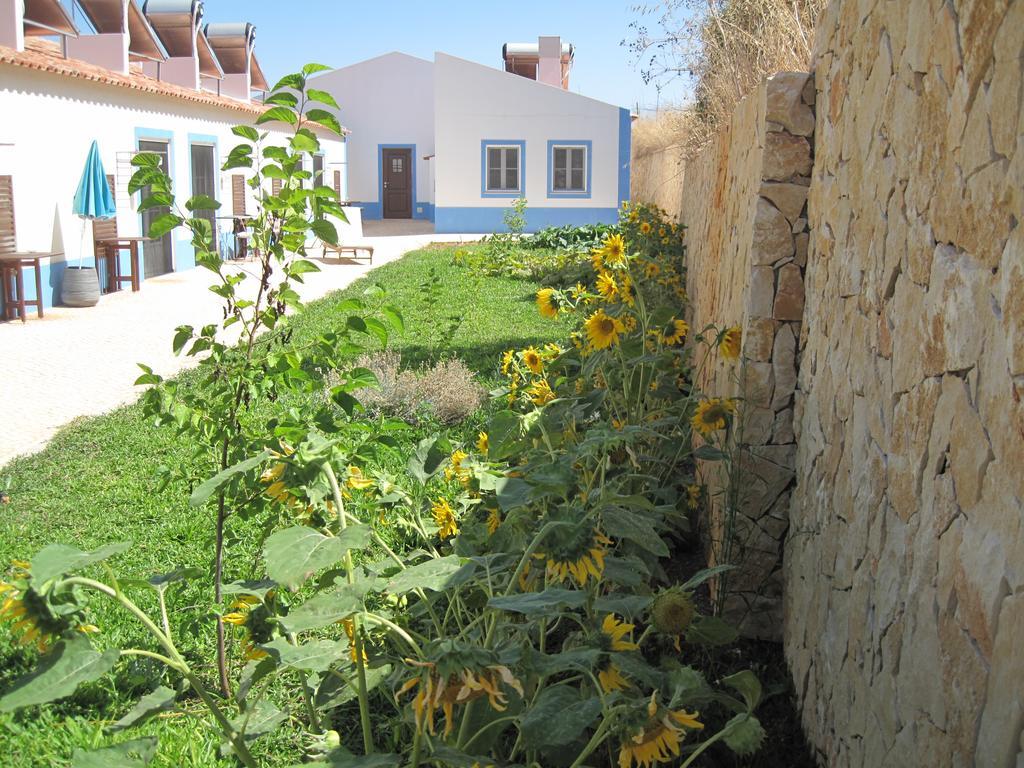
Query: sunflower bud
x: 672, y: 613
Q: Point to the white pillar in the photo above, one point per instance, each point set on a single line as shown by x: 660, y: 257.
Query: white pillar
x: 12, y: 24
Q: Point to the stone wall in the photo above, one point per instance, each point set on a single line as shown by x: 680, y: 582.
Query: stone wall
x: 904, y: 587
x: 745, y: 209
x: 657, y: 177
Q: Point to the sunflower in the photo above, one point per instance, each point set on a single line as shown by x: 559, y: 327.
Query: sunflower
x: 579, y: 555
x: 350, y: 632
x: 455, y: 470
x: 628, y: 323
x: 482, y: 442
x: 614, y: 632
x: 252, y: 616
x: 673, y: 332
x: 357, y: 480
x: 32, y: 614
x: 507, y: 359
x: 444, y: 516
x: 661, y: 232
x: 552, y: 350
x: 533, y: 360
x: 651, y: 270
x: 546, y: 303
x: 672, y: 613
x: 645, y: 228
x: 540, y: 392
x: 458, y: 677
x: 658, y: 739
x: 614, y: 250
x: 692, y: 496
x: 603, y: 330
x: 711, y: 415
x: 606, y: 286
x: 611, y: 679
x: 626, y: 291
x: 729, y: 344
x: 597, y: 259
x: 493, y: 520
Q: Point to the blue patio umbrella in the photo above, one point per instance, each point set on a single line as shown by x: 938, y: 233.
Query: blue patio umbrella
x: 93, y: 199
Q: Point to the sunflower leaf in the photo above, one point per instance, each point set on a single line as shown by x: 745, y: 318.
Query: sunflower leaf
x: 540, y: 603
x: 60, y: 559
x: 436, y: 574
x: 71, y: 663
x: 323, y: 609
x: 558, y: 718
x: 135, y: 753
x: 160, y: 700
x: 296, y: 553
x: 314, y: 656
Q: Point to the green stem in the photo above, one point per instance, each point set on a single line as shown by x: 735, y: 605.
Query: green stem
x: 357, y: 639
x: 307, y: 692
x: 150, y: 655
x: 179, y: 663
x: 703, y: 746
x: 375, y: 619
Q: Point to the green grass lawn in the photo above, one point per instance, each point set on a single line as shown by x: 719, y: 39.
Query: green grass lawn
x: 96, y: 483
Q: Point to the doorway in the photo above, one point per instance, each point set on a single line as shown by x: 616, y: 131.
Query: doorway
x: 156, y: 254
x: 396, y: 177
x: 204, y: 182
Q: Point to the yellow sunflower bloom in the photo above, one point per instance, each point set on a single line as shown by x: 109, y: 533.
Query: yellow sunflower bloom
x: 506, y: 361
x: 607, y: 286
x: 602, y: 330
x: 444, y: 516
x: 692, y: 496
x: 611, y: 679
x: 455, y: 470
x: 673, y: 333
x: 730, y: 343
x: 357, y: 480
x: 350, y: 632
x: 645, y: 228
x: 615, y: 631
x: 614, y: 249
x: 711, y: 415
x: 546, y: 303
x: 493, y: 520
x: 540, y: 392
x: 435, y: 692
x: 533, y: 360
x: 597, y: 259
x: 651, y: 270
x: 658, y: 740
x: 482, y: 442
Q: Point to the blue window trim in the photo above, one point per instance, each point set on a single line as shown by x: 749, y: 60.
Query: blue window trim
x: 380, y: 174
x: 158, y: 134
x: 511, y: 193
x: 588, y: 145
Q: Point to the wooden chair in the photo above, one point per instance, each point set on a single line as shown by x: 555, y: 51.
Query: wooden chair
x: 342, y: 249
x: 108, y: 245
x: 13, y: 263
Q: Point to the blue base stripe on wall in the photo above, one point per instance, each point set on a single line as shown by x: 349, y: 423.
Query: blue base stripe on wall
x: 372, y: 211
x: 486, y: 220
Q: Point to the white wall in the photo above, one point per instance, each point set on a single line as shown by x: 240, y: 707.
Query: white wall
x: 474, y: 102
x: 385, y: 100
x: 49, y: 122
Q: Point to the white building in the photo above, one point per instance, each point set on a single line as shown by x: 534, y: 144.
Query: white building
x: 140, y: 78
x: 457, y: 142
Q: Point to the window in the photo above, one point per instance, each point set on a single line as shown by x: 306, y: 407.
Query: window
x: 569, y: 166
x: 503, y: 166
x: 318, y: 169
x: 570, y: 169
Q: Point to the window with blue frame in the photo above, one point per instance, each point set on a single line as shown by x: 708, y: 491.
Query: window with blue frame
x: 569, y: 166
x: 502, y: 168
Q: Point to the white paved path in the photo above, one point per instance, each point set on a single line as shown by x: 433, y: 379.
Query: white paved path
x: 82, y: 362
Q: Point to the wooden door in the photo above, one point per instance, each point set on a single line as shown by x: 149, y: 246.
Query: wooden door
x: 204, y: 182
x: 156, y: 254
x: 397, y: 183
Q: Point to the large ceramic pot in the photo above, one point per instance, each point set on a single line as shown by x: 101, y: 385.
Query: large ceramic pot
x: 81, y: 287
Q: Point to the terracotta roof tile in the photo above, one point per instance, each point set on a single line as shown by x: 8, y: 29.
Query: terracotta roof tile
x: 45, y: 56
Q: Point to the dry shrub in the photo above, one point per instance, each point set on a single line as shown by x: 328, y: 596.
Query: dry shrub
x: 446, y: 391
x: 726, y: 47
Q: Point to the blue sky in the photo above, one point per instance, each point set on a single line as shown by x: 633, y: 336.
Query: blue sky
x: 336, y: 33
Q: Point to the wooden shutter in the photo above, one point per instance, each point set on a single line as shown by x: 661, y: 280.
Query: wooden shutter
x: 275, y: 187
x: 238, y: 194
x: 337, y: 184
x: 8, y: 242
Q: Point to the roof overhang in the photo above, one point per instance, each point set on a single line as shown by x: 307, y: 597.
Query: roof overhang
x: 257, y: 81
x: 208, y: 65
x: 48, y: 17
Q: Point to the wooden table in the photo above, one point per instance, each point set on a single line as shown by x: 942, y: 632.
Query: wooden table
x: 111, y: 249
x: 13, y: 290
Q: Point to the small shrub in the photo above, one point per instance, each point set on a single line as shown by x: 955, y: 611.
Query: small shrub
x: 446, y: 391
